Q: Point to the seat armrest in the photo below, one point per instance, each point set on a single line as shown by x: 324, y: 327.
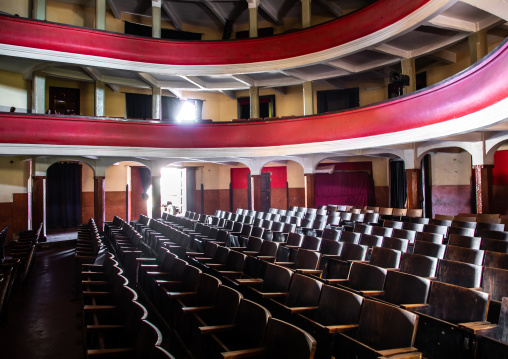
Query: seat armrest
x: 249, y: 281
x: 415, y: 307
x: 285, y: 264
x: 315, y: 272
x: 267, y: 258
x: 340, y: 328
x: 372, y: 293
x: 298, y: 310
x: 399, y: 353
x: 245, y: 353
x: 196, y: 309
x: 477, y: 327
x: 212, y: 329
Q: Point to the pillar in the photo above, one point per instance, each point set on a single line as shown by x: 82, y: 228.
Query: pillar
x: 414, y: 196
x: 306, y: 13
x: 99, y: 202
x: 156, y: 197
x: 477, y: 45
x: 38, y: 92
x: 39, y: 203
x: 254, y: 102
x: 253, y: 17
x: 483, y: 190
x: 156, y: 103
x: 39, y: 9
x: 99, y: 98
x: 100, y: 14
x: 310, y: 198
x: 308, y: 98
x: 408, y: 68
x: 256, y: 192
x: 156, y: 18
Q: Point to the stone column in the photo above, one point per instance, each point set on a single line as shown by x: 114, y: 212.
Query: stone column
x: 477, y: 45
x: 310, y: 198
x: 99, y: 98
x: 413, y: 183
x: 308, y: 98
x: 483, y: 190
x: 156, y: 18
x: 156, y: 197
x: 156, y: 103
x: 38, y: 92
x: 99, y: 202
x: 100, y: 14
x: 253, y: 17
x: 39, y: 9
x: 256, y: 192
x: 39, y: 203
x: 254, y: 102
x: 306, y: 13
x: 408, y: 68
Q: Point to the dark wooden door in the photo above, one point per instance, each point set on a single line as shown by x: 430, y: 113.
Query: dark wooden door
x: 266, y: 200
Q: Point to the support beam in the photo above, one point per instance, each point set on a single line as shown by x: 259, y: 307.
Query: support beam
x: 310, y: 197
x: 496, y: 7
x: 253, y: 17
x: 333, y: 7
x: 270, y: 11
x: 114, y: 9
x: 39, y: 10
x: 306, y: 13
x: 156, y: 103
x: 254, y: 102
x: 408, y: 68
x: 413, y: 178
x: 256, y: 192
x: 38, y: 92
x: 156, y: 197
x: 99, y: 98
x: 230, y: 94
x: 156, y: 18
x: 308, y: 98
x: 477, y: 46
x: 99, y: 202
x: 170, y: 10
x: 216, y: 10
x: 483, y: 187
x: 100, y: 14
x: 445, y: 56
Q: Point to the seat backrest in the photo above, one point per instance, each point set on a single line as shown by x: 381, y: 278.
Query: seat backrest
x: 395, y: 243
x: 429, y: 237
x: 370, y: 240
x: 494, y: 282
x: 494, y: 245
x: 269, y: 248
x: 385, y: 257
x: 458, y: 273
x: 485, y: 229
x: 464, y: 241
x: 210, y: 249
x: 383, y: 211
x: 257, y: 232
x: 221, y: 255
x: 350, y: 237
x: 399, y: 212
x: 330, y: 247
x: 457, y: 304
x: 346, y: 216
x: 371, y: 218
x: 303, y: 292
x: 418, y: 227
x: 295, y: 239
x: 277, y: 226
x: 384, y: 326
x: 284, y: 340
x: 362, y: 228
x: 311, y: 242
x: 306, y: 259
x: 466, y: 255
x: 331, y: 234
x: 420, y: 220
x: 405, y: 288
x: 404, y: 234
x: 430, y: 249
x: 418, y: 264
x: 277, y: 278
x: 382, y: 231
x: 207, y: 290
x: 461, y: 231
x: 236, y: 261
x: 333, y: 219
x: 226, y: 306
x: 251, y: 323
x: 496, y: 260
x: 190, y: 279
x: 441, y: 220
x: 351, y: 251
x: 392, y: 224
x: 254, y: 244
x: 363, y: 276
x: 338, y: 306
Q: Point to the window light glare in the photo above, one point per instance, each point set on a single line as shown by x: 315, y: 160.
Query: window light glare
x: 187, y: 112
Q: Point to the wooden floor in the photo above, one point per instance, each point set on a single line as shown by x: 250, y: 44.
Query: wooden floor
x: 44, y: 320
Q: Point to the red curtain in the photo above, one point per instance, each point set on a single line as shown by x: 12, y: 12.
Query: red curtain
x: 351, y: 188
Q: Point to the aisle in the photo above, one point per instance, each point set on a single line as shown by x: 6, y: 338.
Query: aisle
x: 44, y: 321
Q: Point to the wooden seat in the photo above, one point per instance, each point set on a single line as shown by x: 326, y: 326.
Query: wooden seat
x: 404, y: 234
x: 306, y: 261
x: 439, y: 334
x: 395, y: 243
x: 232, y: 268
x: 458, y: 273
x: 331, y: 234
x: 494, y: 245
x: 464, y: 241
x: 303, y: 295
x: 418, y: 264
x: 383, y: 330
x: 407, y: 290
x: 430, y: 249
x: 419, y: 220
x: 430, y: 237
x: 385, y: 257
x: 466, y: 255
x: 338, y: 310
x: 495, y: 260
x: 337, y: 267
x: 364, y: 279
x: 392, y: 224
x: 494, y: 282
x: 382, y: 231
x: 417, y: 227
x: 362, y: 228
x: 487, y: 229
x: 350, y: 237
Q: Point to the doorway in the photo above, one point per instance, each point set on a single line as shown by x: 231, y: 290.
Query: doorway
x: 174, y: 187
x: 266, y: 200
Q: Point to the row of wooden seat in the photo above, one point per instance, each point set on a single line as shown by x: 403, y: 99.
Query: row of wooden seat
x: 25, y: 249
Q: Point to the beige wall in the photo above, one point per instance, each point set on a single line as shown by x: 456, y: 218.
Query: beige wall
x: 87, y: 183
x: 451, y: 169
x: 13, y: 92
x: 13, y: 177
x: 19, y: 7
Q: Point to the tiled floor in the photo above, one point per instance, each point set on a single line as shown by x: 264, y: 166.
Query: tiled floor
x: 44, y: 320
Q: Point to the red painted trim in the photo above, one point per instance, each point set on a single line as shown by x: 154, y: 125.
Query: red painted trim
x: 76, y: 40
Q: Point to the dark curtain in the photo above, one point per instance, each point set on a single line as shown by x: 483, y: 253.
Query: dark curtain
x: 351, y: 188
x: 146, y: 180
x: 138, y: 106
x: 143, y: 30
x: 398, y: 188
x: 191, y: 188
x: 336, y: 100
x: 63, y: 190
x: 171, y: 107
x: 427, y: 186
